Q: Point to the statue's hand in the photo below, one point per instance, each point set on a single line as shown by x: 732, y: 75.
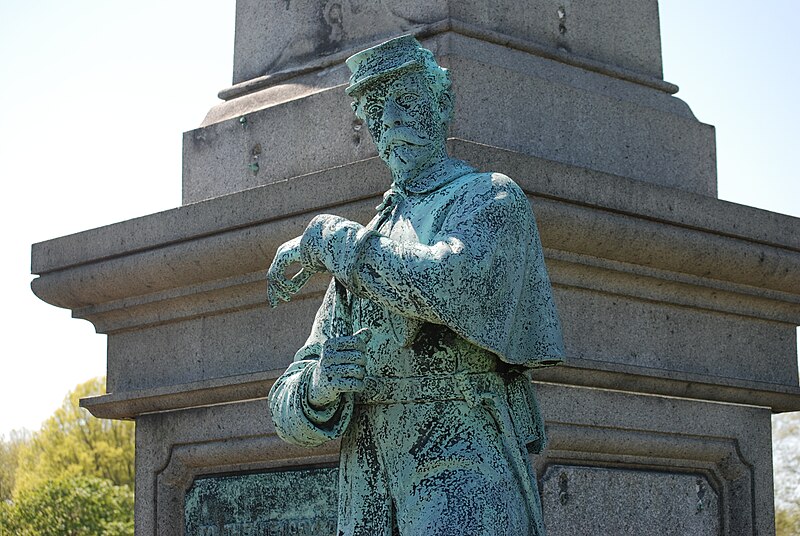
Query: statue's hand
x: 341, y: 369
x: 280, y: 287
x: 326, y: 245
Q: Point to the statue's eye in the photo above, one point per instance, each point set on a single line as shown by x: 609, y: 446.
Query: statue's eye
x: 374, y: 109
x: 407, y: 99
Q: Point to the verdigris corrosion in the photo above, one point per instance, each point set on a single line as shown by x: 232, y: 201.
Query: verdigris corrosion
x: 417, y: 358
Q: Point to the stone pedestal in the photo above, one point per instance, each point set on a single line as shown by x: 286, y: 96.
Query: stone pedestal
x: 679, y: 310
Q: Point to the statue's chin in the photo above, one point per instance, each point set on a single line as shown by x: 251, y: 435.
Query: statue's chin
x: 407, y: 160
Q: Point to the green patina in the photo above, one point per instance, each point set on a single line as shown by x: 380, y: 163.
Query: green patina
x: 418, y: 358
x: 299, y: 502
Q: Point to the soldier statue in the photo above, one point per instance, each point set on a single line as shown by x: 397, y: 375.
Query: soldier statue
x: 419, y: 355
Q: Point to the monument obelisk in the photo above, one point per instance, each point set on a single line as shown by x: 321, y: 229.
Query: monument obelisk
x: 678, y: 309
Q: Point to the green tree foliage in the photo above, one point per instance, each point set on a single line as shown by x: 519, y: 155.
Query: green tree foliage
x: 9, y: 460
x: 786, y: 450
x: 6, y: 518
x: 72, y: 478
x: 72, y: 442
x: 71, y: 506
x: 787, y: 520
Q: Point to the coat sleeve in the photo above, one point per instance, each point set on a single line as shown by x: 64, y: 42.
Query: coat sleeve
x: 296, y: 421
x: 483, y: 274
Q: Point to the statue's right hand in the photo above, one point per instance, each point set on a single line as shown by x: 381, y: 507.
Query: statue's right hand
x: 279, y: 286
x: 341, y: 369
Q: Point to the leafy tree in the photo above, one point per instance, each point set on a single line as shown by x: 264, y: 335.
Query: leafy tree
x: 787, y: 519
x: 72, y: 442
x: 9, y: 460
x: 786, y: 449
x: 72, y: 478
x: 6, y: 518
x: 70, y: 506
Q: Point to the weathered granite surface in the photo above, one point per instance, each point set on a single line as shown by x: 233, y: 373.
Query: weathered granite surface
x: 715, y: 300
x: 551, y: 110
x: 607, y: 239
x: 658, y: 445
x: 278, y: 36
x: 577, y: 500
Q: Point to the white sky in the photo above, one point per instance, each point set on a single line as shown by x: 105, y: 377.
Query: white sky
x: 94, y: 96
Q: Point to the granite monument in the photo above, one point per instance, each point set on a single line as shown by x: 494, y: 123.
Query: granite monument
x: 678, y: 309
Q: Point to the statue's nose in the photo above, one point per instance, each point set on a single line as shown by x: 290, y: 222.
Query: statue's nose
x: 392, y: 114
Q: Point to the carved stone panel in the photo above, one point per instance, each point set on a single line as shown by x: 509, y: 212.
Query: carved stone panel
x: 599, y: 500
x: 300, y: 502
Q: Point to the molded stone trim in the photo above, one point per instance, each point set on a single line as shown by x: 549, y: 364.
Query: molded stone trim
x: 336, y: 187
x: 719, y: 459
x: 458, y: 27
x: 189, y: 461
x: 578, y: 372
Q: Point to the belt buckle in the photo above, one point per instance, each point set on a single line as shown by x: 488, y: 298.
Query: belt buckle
x: 373, y: 390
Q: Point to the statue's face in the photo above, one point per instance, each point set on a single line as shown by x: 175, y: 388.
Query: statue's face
x: 406, y: 121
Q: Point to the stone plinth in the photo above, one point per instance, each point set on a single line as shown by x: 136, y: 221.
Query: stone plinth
x: 550, y: 109
x: 679, y: 325
x: 679, y: 310
x: 274, y: 37
x: 578, y: 83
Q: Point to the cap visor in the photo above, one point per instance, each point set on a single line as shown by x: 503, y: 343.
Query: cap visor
x: 361, y: 86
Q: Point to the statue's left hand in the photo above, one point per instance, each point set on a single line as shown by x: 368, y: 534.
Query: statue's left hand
x: 279, y: 286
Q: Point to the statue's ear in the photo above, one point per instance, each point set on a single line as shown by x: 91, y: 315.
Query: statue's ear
x: 358, y: 110
x: 446, y: 105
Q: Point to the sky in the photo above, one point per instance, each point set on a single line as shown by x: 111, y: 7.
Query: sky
x: 94, y: 96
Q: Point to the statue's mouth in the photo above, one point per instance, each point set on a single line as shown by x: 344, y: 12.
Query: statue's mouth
x: 401, y: 137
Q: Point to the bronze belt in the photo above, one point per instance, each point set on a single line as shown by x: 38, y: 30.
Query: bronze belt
x: 421, y: 389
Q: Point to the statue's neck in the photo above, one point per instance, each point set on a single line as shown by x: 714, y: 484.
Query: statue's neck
x: 435, y: 163
x: 436, y: 172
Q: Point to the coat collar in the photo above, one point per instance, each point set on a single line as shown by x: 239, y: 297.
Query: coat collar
x: 434, y: 178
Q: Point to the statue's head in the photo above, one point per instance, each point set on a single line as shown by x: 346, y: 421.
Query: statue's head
x: 404, y: 98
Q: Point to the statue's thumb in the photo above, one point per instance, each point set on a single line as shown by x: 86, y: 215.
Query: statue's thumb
x: 363, y: 334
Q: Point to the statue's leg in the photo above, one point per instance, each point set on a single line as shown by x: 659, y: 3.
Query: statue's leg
x: 450, y: 474
x: 365, y: 506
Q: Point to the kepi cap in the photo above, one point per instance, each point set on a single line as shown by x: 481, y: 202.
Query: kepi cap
x: 394, y: 56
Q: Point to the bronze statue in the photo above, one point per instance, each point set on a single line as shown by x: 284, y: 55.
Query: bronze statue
x: 418, y: 356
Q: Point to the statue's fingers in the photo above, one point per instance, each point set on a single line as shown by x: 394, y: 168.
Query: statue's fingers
x: 281, y: 287
x: 357, y: 341
x: 344, y: 357
x: 277, y: 267
x: 299, y: 280
x: 351, y: 385
x: 348, y: 371
x: 278, y: 279
x: 275, y: 295
x: 287, y: 254
x: 364, y: 335
x: 273, y: 300
x: 277, y: 270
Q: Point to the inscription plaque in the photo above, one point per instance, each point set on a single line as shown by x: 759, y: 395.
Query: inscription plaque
x: 604, y: 500
x: 299, y: 502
